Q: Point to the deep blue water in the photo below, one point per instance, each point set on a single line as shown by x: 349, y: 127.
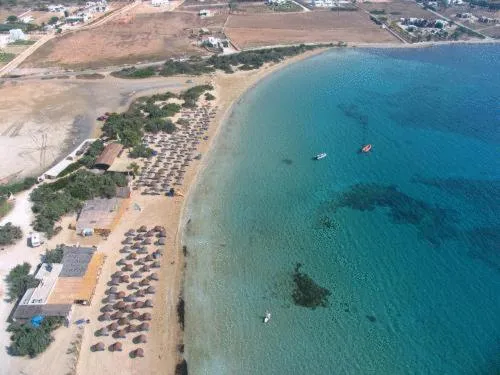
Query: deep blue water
x: 406, y: 238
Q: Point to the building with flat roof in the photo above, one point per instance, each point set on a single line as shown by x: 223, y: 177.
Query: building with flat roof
x: 99, y: 215
x: 62, y: 284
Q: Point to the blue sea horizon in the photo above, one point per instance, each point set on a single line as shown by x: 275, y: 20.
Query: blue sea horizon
x: 406, y: 237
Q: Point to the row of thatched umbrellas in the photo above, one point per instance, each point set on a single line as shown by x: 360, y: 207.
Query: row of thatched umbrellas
x: 175, y: 152
x: 122, y: 308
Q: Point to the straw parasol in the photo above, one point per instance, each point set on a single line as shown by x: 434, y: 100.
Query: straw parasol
x: 138, y: 304
x: 132, y: 328
x: 145, y: 268
x: 134, y: 315
x: 102, y: 332
x: 146, y: 316
x: 113, y: 326
x: 105, y: 316
x: 120, y: 294
x: 117, y: 315
x: 133, y: 285
x: 140, y: 293
x: 125, y: 279
x: 127, y: 241
x: 141, y: 339
x: 145, y: 282
x: 131, y: 298
x: 136, y: 274
x: 121, y: 262
x: 143, y: 228
x: 148, y: 303
x: 123, y: 321
x: 107, y: 308
x: 153, y: 276
x: 111, y: 298
x: 125, y: 249
x: 139, y: 352
x: 115, y: 281
x: 119, y: 305
x: 148, y: 258
x: 143, y: 326
x: 120, y: 334
x: 150, y: 233
x: 150, y: 290
x: 155, y: 264
x: 147, y: 241
x: 99, y: 347
x: 128, y: 267
x: 116, y: 347
x: 161, y: 241
x: 132, y: 256
x: 142, y: 250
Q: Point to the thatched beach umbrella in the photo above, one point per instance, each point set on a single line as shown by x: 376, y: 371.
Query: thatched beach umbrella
x: 120, y: 334
x: 117, y: 315
x: 143, y: 228
x: 138, y: 304
x: 145, y: 282
x: 116, y: 347
x: 148, y: 258
x: 147, y: 241
x: 121, y: 262
x: 107, y: 308
x: 125, y: 249
x: 132, y: 328
x: 133, y: 285
x: 158, y: 228
x: 161, y: 241
x: 155, y: 264
x: 153, y: 276
x: 119, y: 305
x: 134, y: 315
x: 150, y: 233
x: 137, y: 245
x: 136, y: 274
x: 99, y: 347
x: 148, y: 303
x: 115, y: 281
x: 145, y: 268
x: 113, y: 326
x: 150, y: 290
x: 145, y: 316
x: 162, y: 234
x: 123, y: 321
x: 142, y: 250
x: 140, y: 293
x: 128, y: 268
x: 131, y: 298
x: 137, y: 353
x: 120, y: 294
x: 132, y: 256
x: 127, y: 241
x: 125, y: 279
x: 102, y: 332
x: 104, y: 317
x: 141, y: 339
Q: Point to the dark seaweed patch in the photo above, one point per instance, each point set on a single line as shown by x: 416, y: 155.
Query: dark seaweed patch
x: 181, y: 312
x: 434, y: 224
x: 287, y: 161
x: 371, y: 318
x: 307, y: 292
x: 181, y: 368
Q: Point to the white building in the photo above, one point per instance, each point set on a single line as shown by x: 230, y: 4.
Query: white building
x: 56, y: 8
x: 26, y: 19
x: 276, y: 2
x: 324, y: 3
x: 203, y: 13
x: 16, y: 34
x: 159, y: 3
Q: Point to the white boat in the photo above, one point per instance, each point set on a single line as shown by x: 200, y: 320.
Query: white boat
x: 267, y: 318
x: 320, y: 156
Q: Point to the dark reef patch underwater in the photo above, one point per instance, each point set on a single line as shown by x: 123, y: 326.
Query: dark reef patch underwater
x: 307, y: 292
x: 434, y: 224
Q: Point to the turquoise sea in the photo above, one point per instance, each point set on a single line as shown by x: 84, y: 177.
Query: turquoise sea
x: 406, y: 238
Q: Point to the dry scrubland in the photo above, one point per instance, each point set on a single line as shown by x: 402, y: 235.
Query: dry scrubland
x: 397, y: 9
x: 490, y: 30
x: 254, y: 30
x: 128, y: 39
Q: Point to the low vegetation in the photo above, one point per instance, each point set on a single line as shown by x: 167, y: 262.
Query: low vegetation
x: 19, y: 281
x: 52, y: 201
x: 9, y: 234
x: 306, y: 292
x: 54, y: 255
x: 13, y: 188
x: 246, y: 60
x: 28, y: 340
x: 87, y: 160
x: 148, y: 114
x: 5, y: 57
x: 21, y: 42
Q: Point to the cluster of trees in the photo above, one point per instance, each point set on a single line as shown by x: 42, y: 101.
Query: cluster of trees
x: 192, y: 95
x: 19, y: 281
x: 87, y: 160
x: 54, y: 255
x: 14, y: 187
x: 141, y: 151
x: 9, y: 234
x: 196, y: 65
x: 52, y: 201
x: 29, y: 340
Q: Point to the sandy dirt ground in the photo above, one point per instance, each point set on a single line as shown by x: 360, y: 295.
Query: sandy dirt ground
x: 394, y: 10
x: 64, y: 112
x: 131, y: 38
x: 255, y: 30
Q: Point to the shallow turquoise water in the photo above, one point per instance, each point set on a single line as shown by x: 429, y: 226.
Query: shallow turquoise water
x: 411, y: 255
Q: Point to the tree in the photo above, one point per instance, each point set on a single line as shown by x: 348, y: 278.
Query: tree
x: 54, y: 255
x: 9, y: 234
x: 12, y: 19
x: 29, y: 340
x: 19, y: 281
x: 53, y: 20
x: 133, y: 168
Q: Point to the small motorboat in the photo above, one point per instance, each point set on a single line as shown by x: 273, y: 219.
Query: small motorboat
x: 366, y: 148
x: 267, y: 317
x: 320, y: 156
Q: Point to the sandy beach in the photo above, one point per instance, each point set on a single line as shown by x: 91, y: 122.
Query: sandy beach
x: 70, y: 352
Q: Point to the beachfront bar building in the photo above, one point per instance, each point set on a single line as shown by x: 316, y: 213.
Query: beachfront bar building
x: 62, y: 285
x: 99, y: 215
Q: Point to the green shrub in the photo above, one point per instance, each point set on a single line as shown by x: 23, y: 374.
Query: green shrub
x: 54, y: 255
x: 19, y: 281
x: 141, y: 151
x: 9, y: 234
x: 31, y: 341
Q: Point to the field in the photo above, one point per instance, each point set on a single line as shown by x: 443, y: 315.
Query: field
x: 254, y: 30
x: 260, y: 7
x: 128, y: 39
x: 398, y: 9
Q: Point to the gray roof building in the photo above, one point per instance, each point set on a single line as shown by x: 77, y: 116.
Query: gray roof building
x: 76, y: 260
